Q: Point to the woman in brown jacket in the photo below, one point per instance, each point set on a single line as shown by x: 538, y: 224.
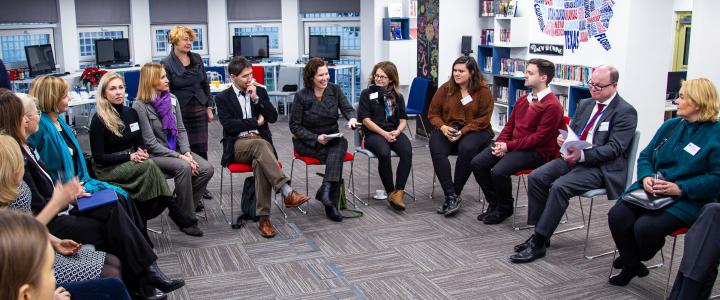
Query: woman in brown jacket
x: 460, y: 111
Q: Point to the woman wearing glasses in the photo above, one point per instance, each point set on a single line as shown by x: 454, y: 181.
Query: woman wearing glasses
x: 382, y: 112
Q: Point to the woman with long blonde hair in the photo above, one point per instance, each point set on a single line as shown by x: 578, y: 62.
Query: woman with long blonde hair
x: 163, y: 131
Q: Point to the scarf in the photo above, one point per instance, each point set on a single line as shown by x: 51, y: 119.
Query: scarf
x: 53, y: 151
x: 163, y: 106
x: 389, y: 95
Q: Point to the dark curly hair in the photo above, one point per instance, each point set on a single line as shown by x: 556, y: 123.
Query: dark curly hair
x: 311, y: 69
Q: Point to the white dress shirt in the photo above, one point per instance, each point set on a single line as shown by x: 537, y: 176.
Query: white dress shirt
x: 246, y: 107
x: 540, y: 95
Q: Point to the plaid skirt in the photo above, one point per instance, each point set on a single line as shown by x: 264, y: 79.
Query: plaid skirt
x: 196, y: 124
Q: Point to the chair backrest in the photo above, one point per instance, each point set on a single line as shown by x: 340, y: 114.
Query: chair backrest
x: 132, y: 81
x: 259, y: 74
x: 632, y: 151
x: 418, y: 93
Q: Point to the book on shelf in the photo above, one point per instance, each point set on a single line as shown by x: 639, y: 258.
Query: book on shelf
x: 488, y: 64
x: 488, y: 9
x: 563, y: 99
x: 507, y: 8
x: 512, y: 66
x: 502, y: 118
x: 504, y: 35
x: 396, y: 30
x: 574, y: 74
x: 520, y: 92
x: 487, y: 36
x: 501, y: 94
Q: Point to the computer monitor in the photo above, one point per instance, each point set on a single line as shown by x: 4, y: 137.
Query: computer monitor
x: 326, y: 47
x: 674, y: 82
x: 253, y: 47
x: 40, y: 59
x: 112, y: 51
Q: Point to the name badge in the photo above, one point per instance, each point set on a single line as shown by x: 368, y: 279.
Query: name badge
x: 466, y: 100
x: 692, y: 149
x: 173, y: 101
x: 134, y: 127
x: 604, y: 126
x: 374, y: 96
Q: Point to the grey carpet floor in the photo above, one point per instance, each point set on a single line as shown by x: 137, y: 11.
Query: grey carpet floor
x: 415, y: 254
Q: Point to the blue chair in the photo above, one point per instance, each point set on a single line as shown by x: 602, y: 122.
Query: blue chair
x: 419, y: 93
x: 132, y: 81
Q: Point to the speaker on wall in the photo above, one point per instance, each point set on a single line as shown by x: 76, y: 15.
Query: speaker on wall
x: 466, y: 46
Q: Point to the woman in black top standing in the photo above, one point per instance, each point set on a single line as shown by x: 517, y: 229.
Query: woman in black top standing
x: 119, y: 156
x: 313, y: 119
x: 382, y: 112
x: 189, y: 83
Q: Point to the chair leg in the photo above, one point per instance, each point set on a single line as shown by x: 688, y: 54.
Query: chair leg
x: 412, y: 176
x: 292, y: 169
x: 515, y: 224
x: 587, y: 235
x: 670, y: 267
x: 407, y: 127
x: 222, y: 195
x: 352, y: 184
x: 433, y: 187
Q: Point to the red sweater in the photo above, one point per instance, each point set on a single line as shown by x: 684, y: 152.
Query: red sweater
x: 534, y: 126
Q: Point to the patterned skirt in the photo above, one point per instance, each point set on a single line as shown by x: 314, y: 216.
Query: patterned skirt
x: 143, y: 181
x: 195, y: 119
x: 84, y: 265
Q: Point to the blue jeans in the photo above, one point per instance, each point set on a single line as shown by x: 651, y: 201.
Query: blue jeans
x: 103, y: 288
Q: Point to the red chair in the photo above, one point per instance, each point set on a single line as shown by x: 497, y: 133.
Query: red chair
x: 311, y: 161
x: 259, y: 74
x: 239, y: 168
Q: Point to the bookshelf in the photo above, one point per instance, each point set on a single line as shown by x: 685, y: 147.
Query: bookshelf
x: 396, y: 29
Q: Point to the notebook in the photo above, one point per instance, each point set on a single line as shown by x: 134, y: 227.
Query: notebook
x: 101, y: 198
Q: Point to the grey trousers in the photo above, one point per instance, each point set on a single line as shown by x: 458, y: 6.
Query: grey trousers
x: 268, y: 175
x: 550, y: 188
x: 188, y: 188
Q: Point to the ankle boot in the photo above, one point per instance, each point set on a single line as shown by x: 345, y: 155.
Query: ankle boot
x: 323, y: 193
x: 154, y: 277
x: 331, y: 211
x: 148, y: 292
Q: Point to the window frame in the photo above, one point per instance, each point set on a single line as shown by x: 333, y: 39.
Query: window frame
x: 159, y: 55
x: 268, y: 23
x: 29, y: 29
x: 85, y: 29
x: 345, y: 22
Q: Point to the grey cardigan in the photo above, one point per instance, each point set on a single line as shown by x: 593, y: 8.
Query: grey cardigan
x: 154, y: 135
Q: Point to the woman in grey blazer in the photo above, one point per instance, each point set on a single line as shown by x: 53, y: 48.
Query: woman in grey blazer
x: 167, y: 142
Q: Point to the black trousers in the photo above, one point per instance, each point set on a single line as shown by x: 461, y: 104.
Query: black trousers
x: 116, y: 229
x: 493, y: 175
x: 701, y: 257
x: 469, y: 145
x: 331, y: 154
x: 639, y: 233
x: 379, y: 146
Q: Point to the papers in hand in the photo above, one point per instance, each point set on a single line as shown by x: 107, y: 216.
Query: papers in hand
x: 572, y: 141
x: 334, y: 135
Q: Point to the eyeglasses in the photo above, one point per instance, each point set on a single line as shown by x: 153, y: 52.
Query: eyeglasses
x: 599, y: 87
x: 378, y: 76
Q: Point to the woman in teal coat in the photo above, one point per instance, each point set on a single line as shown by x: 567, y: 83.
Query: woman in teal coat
x: 685, y: 151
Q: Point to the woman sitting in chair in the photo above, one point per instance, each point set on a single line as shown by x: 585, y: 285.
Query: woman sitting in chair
x: 119, y: 155
x: 682, y: 161
x: 167, y: 143
x: 460, y: 111
x: 382, y: 112
x: 313, y: 121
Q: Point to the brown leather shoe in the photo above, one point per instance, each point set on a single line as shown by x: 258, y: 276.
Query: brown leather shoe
x: 266, y: 228
x: 295, y: 199
x: 396, y: 199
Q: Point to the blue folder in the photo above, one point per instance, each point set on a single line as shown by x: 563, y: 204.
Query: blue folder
x: 101, y: 198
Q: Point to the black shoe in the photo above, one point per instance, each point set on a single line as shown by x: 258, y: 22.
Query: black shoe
x: 628, y: 274
x: 617, y: 263
x: 200, y: 207
x: 207, y: 195
x: 193, y: 230
x: 521, y: 247
x: 331, y: 211
x: 155, y: 277
x: 533, y: 251
x: 496, y: 218
x: 442, y: 209
x: 454, y: 203
x: 481, y: 216
x: 323, y: 194
x: 148, y: 292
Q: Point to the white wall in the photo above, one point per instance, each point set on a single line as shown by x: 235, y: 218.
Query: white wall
x: 456, y: 19
x: 292, y: 30
x: 682, y: 5
x: 702, y: 60
x: 67, y: 45
x: 140, y: 31
x: 218, y: 36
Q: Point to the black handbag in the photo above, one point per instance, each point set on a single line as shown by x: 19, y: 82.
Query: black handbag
x: 641, y: 198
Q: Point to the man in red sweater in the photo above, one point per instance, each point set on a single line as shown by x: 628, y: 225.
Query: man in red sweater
x: 526, y: 142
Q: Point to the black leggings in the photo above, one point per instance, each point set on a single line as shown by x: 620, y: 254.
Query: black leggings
x: 111, y: 267
x: 469, y: 145
x: 379, y: 146
x: 639, y: 233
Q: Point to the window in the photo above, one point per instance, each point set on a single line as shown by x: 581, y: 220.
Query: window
x: 161, y: 45
x: 13, y: 42
x: 332, y: 15
x: 88, y: 35
x: 270, y: 29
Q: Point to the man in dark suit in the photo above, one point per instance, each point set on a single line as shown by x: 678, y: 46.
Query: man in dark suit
x: 608, y: 123
x: 244, y: 111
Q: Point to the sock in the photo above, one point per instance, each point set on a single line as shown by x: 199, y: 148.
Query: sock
x: 285, y: 190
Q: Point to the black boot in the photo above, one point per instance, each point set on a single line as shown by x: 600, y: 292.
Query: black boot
x: 156, y: 278
x: 324, y: 193
x: 148, y: 292
x: 331, y: 211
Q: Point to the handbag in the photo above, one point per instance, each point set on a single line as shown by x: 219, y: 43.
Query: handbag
x: 645, y: 200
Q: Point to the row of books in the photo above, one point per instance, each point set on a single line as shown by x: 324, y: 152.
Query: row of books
x: 507, y: 8
x: 487, y: 36
x: 563, y: 99
x: 501, y: 94
x: 504, y: 35
x: 502, y: 118
x: 512, y: 66
x: 575, y: 74
x: 487, y: 9
x: 520, y: 92
x: 488, y: 64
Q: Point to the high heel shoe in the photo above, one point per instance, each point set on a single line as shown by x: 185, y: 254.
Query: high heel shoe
x: 628, y: 273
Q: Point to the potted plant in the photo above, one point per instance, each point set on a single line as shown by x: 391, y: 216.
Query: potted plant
x: 91, y: 77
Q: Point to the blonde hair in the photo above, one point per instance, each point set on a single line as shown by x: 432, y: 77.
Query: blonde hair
x: 23, y: 246
x: 49, y: 91
x: 150, y: 75
x: 12, y: 164
x: 107, y: 113
x: 703, y: 94
x: 178, y: 33
x: 29, y: 102
x: 391, y: 71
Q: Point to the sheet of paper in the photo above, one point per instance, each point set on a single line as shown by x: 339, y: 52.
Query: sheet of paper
x: 572, y: 141
x: 335, y: 135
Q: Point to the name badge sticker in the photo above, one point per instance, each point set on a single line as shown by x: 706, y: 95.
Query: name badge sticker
x: 466, y: 100
x: 691, y: 148
x: 604, y: 126
x: 374, y: 96
x: 134, y: 127
x: 173, y: 101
